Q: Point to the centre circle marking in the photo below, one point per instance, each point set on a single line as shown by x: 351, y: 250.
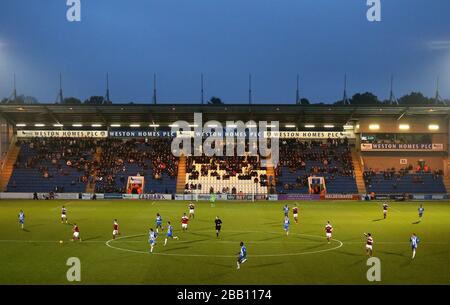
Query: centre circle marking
x: 340, y: 244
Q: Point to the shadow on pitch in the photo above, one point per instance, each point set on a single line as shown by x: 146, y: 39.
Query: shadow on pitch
x: 358, y: 262
x: 177, y: 248
x: 416, y: 222
x: 379, y: 219
x: 314, y: 247
x: 270, y: 238
x: 200, y: 234
x: 310, y: 239
x: 92, y: 238
x: 265, y: 265
x: 196, y: 241
x: 227, y: 266
x: 235, y: 234
x: 272, y: 223
x: 348, y: 253
x: 392, y: 253
x: 36, y: 225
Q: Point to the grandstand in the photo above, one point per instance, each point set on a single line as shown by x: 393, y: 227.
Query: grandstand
x: 404, y: 182
x: 48, y: 165
x: 94, y: 149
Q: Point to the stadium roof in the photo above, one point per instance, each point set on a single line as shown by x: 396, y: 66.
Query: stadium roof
x: 165, y: 114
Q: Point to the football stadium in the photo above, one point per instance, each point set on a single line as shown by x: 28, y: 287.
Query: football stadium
x: 202, y: 143
x: 112, y: 168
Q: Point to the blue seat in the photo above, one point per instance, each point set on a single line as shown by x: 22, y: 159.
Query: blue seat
x: 31, y: 180
x: 406, y: 184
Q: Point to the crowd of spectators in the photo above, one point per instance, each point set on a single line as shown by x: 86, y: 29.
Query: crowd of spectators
x: 371, y: 175
x: 330, y: 159
x: 55, y: 157
x: 151, y: 155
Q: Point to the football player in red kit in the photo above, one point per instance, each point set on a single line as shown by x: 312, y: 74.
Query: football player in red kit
x: 328, y: 231
x: 369, y: 244
x: 295, y: 213
x: 115, y: 229
x: 76, y: 233
x: 385, y: 209
x: 184, y: 222
x: 191, y: 210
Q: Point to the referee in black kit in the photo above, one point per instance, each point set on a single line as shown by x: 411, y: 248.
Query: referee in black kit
x: 218, y: 225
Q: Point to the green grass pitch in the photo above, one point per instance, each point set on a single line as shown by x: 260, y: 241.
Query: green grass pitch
x: 35, y: 255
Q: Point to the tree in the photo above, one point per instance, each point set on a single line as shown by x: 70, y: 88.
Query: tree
x: 415, y: 98
x: 71, y: 101
x: 215, y: 101
x: 366, y: 98
x: 304, y: 101
x: 95, y: 100
x: 21, y: 99
x: 30, y: 100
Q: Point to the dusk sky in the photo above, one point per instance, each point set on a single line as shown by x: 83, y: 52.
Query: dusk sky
x: 226, y: 40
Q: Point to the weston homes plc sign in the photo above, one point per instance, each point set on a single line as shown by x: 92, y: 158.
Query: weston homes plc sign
x: 62, y: 133
x: 309, y: 134
x: 402, y: 147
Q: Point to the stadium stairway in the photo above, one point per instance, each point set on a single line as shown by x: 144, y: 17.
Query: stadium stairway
x: 446, y: 182
x: 356, y: 159
x: 90, y: 187
x: 270, y: 172
x: 8, y: 166
x: 181, y: 179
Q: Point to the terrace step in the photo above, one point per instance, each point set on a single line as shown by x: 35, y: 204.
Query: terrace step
x: 181, y: 178
x: 90, y: 187
x: 8, y: 166
x: 356, y: 160
x: 446, y: 182
x: 270, y: 172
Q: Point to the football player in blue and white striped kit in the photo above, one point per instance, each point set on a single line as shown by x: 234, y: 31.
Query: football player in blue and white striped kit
x: 414, y: 240
x: 286, y: 210
x: 152, y: 239
x: 21, y: 219
x: 421, y: 209
x: 169, y: 233
x: 242, y: 255
x: 158, y: 222
x: 286, y: 224
x: 414, y: 243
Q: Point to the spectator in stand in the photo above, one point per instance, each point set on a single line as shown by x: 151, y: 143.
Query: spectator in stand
x: 331, y: 158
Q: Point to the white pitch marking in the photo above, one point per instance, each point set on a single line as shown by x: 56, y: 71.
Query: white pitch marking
x: 108, y: 243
